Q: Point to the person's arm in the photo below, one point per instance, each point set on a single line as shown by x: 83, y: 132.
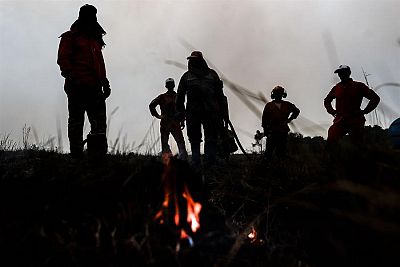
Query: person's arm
x: 106, y: 88
x: 373, y: 98
x: 180, y: 98
x: 265, y: 120
x: 152, y: 107
x: 65, y: 55
x: 222, y: 99
x: 328, y: 102
x: 225, y: 110
x: 105, y: 83
x: 294, y: 112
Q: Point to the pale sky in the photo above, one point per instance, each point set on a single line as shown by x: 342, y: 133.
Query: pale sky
x: 256, y: 44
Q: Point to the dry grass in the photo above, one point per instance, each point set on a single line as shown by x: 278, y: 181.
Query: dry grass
x: 312, y: 209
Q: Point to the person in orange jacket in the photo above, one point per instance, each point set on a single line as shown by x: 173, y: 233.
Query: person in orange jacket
x: 275, y: 118
x: 348, y: 115
x: 169, y: 123
x: 86, y: 85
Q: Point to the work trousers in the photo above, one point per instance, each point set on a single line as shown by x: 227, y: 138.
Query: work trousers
x: 211, y: 126
x: 81, y: 100
x: 354, y: 126
x: 276, y: 144
x: 171, y: 126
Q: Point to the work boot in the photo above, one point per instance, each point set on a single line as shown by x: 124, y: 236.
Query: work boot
x: 76, y: 151
x: 97, y: 147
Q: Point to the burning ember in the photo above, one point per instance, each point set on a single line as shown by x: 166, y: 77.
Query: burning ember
x: 252, y: 235
x: 175, y: 191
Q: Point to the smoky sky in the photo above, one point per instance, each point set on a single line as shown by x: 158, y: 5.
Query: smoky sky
x: 255, y: 44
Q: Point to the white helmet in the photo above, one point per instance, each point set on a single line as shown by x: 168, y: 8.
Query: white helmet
x: 169, y: 80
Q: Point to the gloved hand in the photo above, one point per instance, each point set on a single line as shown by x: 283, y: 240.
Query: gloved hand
x: 106, y: 92
x: 65, y: 74
x: 106, y: 89
x: 226, y: 122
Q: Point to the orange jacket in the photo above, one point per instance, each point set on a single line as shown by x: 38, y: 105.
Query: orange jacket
x: 276, y: 119
x: 166, y: 102
x: 81, y: 60
x: 349, y: 95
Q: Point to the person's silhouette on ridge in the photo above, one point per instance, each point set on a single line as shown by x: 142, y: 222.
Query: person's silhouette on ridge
x: 169, y: 122
x: 275, y: 118
x: 82, y: 65
x: 206, y: 106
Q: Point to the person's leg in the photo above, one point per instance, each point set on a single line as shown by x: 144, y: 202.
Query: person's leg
x: 76, y: 119
x: 194, y: 134
x: 335, y: 133
x: 96, y: 112
x: 356, y: 133
x: 180, y: 141
x: 210, y: 141
x: 164, y: 131
x: 270, y: 147
x: 281, y: 144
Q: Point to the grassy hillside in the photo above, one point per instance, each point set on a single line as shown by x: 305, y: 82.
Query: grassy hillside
x: 312, y: 209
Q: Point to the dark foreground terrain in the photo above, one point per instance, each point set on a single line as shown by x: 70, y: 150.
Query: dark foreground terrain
x: 312, y: 209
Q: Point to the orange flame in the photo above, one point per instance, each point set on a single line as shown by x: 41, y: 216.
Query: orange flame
x: 252, y: 235
x: 193, y: 208
x: 193, y: 211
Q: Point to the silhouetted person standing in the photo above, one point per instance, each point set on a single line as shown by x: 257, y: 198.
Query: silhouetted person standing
x: 169, y: 123
x: 206, y: 106
x: 348, y: 116
x: 275, y: 118
x: 86, y: 85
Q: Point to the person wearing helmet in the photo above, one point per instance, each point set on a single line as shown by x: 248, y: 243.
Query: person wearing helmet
x: 348, y: 115
x: 82, y: 65
x: 206, y: 105
x: 169, y: 123
x: 275, y: 118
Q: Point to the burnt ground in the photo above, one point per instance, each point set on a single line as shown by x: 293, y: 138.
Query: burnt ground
x: 311, y: 209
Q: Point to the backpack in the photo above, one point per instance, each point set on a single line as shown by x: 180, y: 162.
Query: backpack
x: 226, y: 143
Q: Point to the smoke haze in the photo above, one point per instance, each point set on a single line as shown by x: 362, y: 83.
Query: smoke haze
x: 256, y: 44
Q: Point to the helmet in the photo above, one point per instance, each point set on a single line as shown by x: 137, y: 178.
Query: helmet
x: 343, y: 68
x: 196, y: 55
x: 278, y: 91
x: 169, y: 81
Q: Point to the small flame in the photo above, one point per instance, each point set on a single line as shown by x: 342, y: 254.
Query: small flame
x: 170, y: 194
x: 252, y: 235
x: 193, y: 211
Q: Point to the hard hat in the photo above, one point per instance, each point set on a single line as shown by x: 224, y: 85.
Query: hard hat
x: 169, y: 80
x: 342, y: 68
x: 195, y: 55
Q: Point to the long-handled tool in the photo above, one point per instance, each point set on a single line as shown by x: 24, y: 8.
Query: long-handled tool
x: 237, y: 138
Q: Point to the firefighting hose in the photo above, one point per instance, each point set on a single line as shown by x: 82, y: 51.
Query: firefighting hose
x: 237, y: 138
